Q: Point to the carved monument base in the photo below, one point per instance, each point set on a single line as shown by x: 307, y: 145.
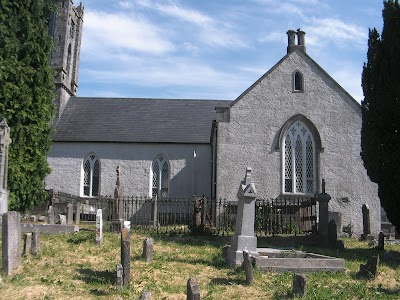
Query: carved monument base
x: 238, y: 244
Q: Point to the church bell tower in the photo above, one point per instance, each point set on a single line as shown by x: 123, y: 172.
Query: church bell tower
x: 65, y: 28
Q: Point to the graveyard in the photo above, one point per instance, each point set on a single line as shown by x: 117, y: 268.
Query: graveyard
x: 73, y: 266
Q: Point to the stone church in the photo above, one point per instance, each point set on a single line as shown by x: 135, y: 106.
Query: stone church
x: 294, y: 126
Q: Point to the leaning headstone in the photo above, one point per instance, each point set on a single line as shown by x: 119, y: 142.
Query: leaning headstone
x: 381, y: 241
x: 35, y: 243
x: 146, y: 295
x: 332, y: 234
x: 148, y: 250
x: 120, y: 273
x: 51, y: 215
x: 63, y: 219
x: 193, y: 289
x: 11, y: 241
x: 70, y: 214
x: 248, y: 267
x: 99, y: 227
x: 370, y: 269
x: 299, y: 285
x: 126, y: 254
x: 27, y: 243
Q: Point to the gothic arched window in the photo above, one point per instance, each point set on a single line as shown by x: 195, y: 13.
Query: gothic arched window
x: 160, y: 177
x: 91, y: 176
x: 298, y: 82
x: 299, y: 160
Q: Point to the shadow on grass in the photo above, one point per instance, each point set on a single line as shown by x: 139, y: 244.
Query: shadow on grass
x: 227, y: 281
x: 191, y: 240
x: 81, y: 238
x: 97, y: 277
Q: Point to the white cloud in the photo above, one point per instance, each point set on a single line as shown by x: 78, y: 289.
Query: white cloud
x: 210, y: 31
x: 188, y: 15
x: 121, y: 32
x: 125, y: 4
x: 330, y: 30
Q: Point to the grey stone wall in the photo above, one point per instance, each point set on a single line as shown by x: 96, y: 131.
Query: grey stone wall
x: 251, y: 136
x: 189, y: 175
x: 64, y: 35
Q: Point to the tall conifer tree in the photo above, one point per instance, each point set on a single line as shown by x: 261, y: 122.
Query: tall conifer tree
x: 26, y: 97
x: 380, y: 136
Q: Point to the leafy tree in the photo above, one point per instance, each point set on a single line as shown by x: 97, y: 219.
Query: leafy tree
x: 26, y: 97
x: 380, y: 136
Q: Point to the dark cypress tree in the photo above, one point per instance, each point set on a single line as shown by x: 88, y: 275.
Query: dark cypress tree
x: 26, y: 97
x: 380, y: 136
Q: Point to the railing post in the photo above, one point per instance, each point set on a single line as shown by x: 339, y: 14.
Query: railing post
x: 154, y: 212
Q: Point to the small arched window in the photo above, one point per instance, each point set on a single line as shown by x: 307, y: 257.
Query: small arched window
x: 91, y: 176
x: 160, y: 177
x: 299, y: 160
x: 298, y: 82
x: 69, y: 59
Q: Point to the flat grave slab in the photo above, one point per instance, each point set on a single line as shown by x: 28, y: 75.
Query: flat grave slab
x: 282, y: 260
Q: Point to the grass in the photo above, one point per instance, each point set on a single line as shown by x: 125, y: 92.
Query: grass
x: 73, y: 267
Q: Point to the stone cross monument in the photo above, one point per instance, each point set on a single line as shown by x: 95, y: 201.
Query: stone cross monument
x: 5, y: 141
x: 244, y: 238
x: 118, y: 213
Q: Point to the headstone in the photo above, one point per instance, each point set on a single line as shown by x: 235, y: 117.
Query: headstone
x: 332, y: 234
x: 340, y: 246
x: 120, y: 272
x: 78, y: 214
x: 248, y: 267
x: 299, y: 285
x: 35, y: 243
x: 366, y: 224
x: 51, y: 215
x: 370, y: 269
x: 148, y: 250
x: 323, y: 200
x: 197, y: 212
x: 63, y: 219
x: 11, y: 241
x: 225, y: 249
x: 99, y: 227
x: 27, y: 243
x: 193, y: 289
x: 381, y: 241
x: 337, y: 216
x: 244, y: 238
x: 32, y: 218
x: 125, y: 254
x: 146, y: 295
x: 70, y: 214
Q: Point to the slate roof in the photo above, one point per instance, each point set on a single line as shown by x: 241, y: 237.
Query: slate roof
x: 136, y: 120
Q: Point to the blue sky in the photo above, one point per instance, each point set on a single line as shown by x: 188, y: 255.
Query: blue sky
x: 200, y: 49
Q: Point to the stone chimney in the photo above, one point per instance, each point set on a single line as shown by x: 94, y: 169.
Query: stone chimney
x: 300, y: 40
x: 291, y: 40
